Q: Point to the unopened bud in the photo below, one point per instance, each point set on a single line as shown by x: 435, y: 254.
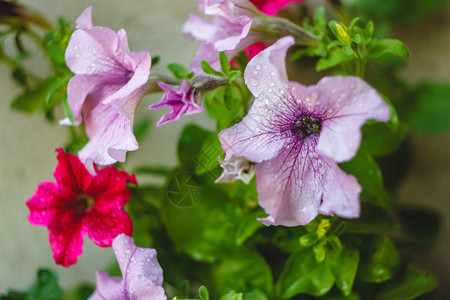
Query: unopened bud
x: 342, y: 33
x: 207, y: 82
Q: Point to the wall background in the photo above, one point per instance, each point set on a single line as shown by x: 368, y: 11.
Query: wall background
x: 27, y: 144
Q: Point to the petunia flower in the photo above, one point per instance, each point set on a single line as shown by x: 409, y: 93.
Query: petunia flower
x: 271, y: 7
x: 182, y: 100
x: 236, y: 168
x: 234, y: 26
x: 108, y: 85
x: 142, y: 276
x: 79, y: 203
x: 297, y: 134
x: 227, y: 31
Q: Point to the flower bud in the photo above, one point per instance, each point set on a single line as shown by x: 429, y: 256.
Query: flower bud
x: 206, y: 82
x: 342, y: 33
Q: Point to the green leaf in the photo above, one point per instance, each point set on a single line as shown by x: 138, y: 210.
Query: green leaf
x: 253, y: 295
x: 427, y: 109
x: 373, y: 219
x: 31, y: 100
x: 248, y: 226
x: 215, y: 105
x: 81, y: 292
x: 190, y: 145
x: 366, y: 170
x: 231, y: 295
x: 412, y: 284
x: 206, y: 67
x: 179, y: 71
x: 320, y: 22
x: 391, y: 46
x: 199, y: 218
x: 155, y: 60
x: 334, y: 58
x: 207, y: 158
x: 379, y: 259
x: 379, y: 139
x: 368, y: 31
x: 303, y: 274
x: 46, y: 286
x: 241, y: 270
x: 224, y: 63
x: 67, y: 110
x: 203, y: 293
x: 233, y: 75
x: 344, y: 265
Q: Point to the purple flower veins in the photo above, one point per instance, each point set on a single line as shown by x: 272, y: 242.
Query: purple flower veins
x: 297, y: 134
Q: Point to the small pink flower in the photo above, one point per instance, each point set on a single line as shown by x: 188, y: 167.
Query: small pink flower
x: 78, y: 204
x: 142, y: 276
x: 271, y: 7
x: 227, y: 31
x: 182, y: 100
x: 297, y: 134
x: 108, y: 85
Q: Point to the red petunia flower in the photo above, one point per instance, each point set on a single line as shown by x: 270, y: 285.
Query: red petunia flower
x: 79, y: 203
x: 271, y: 7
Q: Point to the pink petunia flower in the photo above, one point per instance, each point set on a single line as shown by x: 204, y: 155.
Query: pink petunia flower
x: 228, y: 30
x: 297, y: 134
x: 108, y: 85
x: 78, y: 204
x: 182, y: 100
x: 236, y: 25
x: 271, y: 7
x: 142, y: 276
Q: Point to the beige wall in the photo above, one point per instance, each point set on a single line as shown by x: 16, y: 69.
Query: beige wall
x: 27, y: 142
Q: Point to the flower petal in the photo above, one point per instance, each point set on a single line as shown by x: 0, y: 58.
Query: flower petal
x: 265, y: 75
x: 103, y: 224
x: 256, y: 138
x: 66, y: 238
x: 71, y: 173
x: 290, y: 186
x: 347, y: 103
x: 136, y: 263
x: 264, y: 131
x: 341, y: 195
x: 110, y: 132
x: 78, y: 88
x: 48, y: 202
x: 93, y: 51
x: 139, y: 78
x: 271, y: 7
x: 107, y: 287
x: 84, y: 21
x: 199, y: 29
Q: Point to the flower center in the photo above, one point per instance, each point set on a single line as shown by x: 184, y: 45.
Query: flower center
x: 306, y: 125
x: 84, y: 202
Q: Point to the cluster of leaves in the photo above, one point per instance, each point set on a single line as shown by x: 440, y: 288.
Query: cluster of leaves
x: 43, y: 94
x: 346, y: 46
